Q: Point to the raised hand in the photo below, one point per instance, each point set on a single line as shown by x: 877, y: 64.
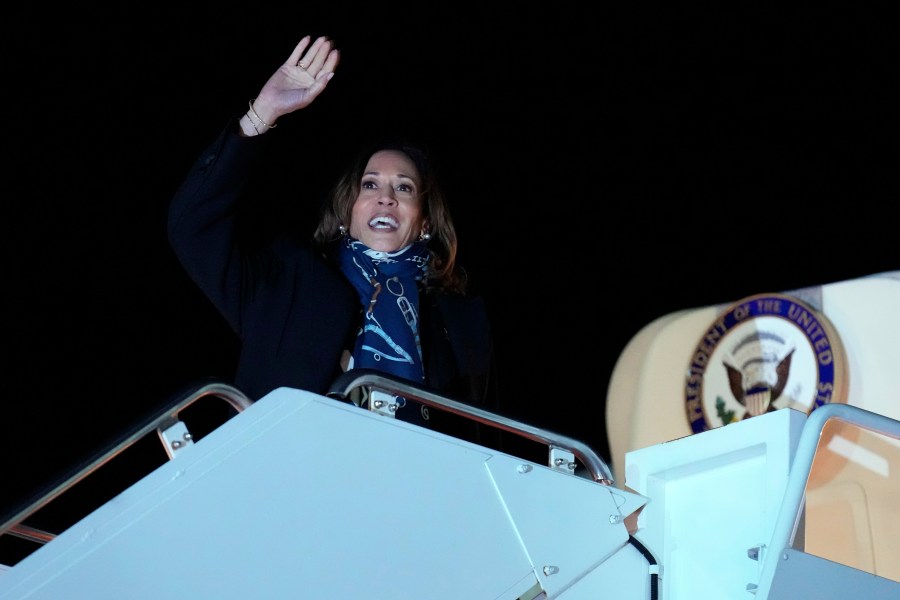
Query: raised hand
x: 297, y: 82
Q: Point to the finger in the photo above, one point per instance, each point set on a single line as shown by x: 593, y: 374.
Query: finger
x: 308, y: 59
x: 294, y: 58
x: 324, y: 77
x: 331, y: 62
x: 319, y: 54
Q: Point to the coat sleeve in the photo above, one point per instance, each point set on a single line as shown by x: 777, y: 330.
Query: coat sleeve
x: 201, y: 221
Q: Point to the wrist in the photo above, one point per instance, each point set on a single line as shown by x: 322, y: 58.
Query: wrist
x: 250, y: 127
x: 260, y: 122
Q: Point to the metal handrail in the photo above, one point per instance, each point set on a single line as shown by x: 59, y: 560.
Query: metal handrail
x: 788, y: 520
x: 164, y: 418
x: 356, y: 378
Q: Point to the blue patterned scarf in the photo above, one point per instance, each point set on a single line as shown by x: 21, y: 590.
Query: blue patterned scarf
x: 387, y: 285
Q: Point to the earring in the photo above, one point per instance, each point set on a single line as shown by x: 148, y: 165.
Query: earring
x: 424, y: 236
x: 342, y: 229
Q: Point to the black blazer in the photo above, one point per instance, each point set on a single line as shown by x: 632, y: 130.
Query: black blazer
x: 291, y: 307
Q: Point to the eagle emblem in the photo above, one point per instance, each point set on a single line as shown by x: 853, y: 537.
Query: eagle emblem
x: 758, y: 383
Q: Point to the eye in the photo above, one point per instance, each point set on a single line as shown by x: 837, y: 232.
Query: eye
x: 369, y: 184
x: 405, y: 188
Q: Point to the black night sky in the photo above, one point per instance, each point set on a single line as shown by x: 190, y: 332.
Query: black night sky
x: 605, y: 168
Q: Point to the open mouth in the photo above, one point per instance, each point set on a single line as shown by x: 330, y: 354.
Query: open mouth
x: 384, y: 223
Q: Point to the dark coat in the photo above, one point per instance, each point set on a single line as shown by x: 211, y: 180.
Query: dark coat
x: 292, y: 308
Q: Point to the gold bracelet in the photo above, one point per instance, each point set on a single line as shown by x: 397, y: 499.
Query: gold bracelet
x: 250, y: 104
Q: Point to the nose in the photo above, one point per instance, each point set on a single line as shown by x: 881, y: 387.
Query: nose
x: 387, y: 197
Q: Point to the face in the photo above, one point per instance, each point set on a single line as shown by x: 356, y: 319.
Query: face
x: 387, y: 214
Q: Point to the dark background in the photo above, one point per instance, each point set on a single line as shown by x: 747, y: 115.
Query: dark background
x: 606, y: 168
